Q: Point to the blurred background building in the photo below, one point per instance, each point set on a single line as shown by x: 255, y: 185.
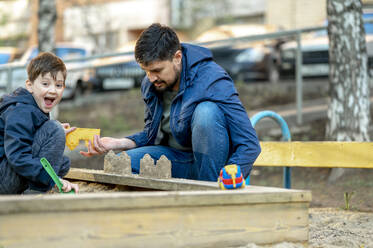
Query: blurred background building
x: 111, y: 25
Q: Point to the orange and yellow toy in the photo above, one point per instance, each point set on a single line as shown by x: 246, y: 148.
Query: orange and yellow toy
x: 230, y: 177
x: 73, y: 138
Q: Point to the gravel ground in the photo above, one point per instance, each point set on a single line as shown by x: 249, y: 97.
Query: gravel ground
x: 332, y: 228
x: 340, y: 228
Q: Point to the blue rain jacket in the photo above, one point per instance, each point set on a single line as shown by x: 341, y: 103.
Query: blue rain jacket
x: 20, y: 117
x: 201, y: 80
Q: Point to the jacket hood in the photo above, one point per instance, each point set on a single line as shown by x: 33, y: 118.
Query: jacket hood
x: 195, y: 54
x: 20, y: 95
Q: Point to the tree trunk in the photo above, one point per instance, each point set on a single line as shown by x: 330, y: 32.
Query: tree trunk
x: 47, y: 14
x: 348, y: 113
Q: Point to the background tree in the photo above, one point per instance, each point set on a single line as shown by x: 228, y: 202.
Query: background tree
x: 349, y: 111
x: 47, y: 15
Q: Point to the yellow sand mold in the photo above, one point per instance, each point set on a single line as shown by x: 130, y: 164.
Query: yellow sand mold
x: 73, y: 138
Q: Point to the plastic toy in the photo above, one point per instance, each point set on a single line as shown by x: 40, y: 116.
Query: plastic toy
x: 230, y: 177
x: 47, y: 166
x: 73, y: 138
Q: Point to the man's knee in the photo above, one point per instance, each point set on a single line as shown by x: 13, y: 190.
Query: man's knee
x: 207, y: 114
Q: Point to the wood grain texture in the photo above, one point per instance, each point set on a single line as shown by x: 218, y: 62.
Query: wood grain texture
x: 137, y: 200
x: 138, y: 181
x: 316, y: 154
x: 157, y: 219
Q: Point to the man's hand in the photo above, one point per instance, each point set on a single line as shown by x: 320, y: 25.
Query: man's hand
x: 105, y: 144
x: 68, y: 186
x: 67, y: 128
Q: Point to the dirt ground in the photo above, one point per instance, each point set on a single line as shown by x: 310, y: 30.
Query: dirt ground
x: 334, y: 221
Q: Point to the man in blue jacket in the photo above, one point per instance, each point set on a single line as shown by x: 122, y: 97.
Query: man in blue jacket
x: 193, y: 114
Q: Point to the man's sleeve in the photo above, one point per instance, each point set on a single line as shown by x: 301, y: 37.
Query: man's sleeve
x: 245, y: 143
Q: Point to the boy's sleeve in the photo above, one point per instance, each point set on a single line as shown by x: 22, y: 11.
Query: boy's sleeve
x: 18, y: 138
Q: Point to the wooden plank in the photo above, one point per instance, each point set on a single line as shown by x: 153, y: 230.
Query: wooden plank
x: 128, y: 200
x: 138, y: 181
x: 156, y: 219
x: 316, y: 154
x: 159, y: 227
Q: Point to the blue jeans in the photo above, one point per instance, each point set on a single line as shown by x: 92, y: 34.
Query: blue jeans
x: 49, y: 142
x: 210, y: 147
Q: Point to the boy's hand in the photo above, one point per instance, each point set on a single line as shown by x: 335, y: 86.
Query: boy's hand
x: 67, y: 128
x: 68, y: 186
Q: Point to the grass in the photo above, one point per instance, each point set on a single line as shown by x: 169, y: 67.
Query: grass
x: 116, y: 115
x: 113, y: 126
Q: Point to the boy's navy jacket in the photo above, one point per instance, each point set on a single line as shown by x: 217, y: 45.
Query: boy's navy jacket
x: 20, y: 117
x: 201, y: 80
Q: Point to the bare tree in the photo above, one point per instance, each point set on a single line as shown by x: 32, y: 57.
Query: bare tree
x: 47, y: 14
x: 95, y: 24
x: 90, y: 10
x: 348, y: 113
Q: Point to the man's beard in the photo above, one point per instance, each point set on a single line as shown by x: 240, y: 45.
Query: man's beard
x: 170, y: 87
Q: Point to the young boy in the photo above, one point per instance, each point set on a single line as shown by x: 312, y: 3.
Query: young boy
x: 27, y: 133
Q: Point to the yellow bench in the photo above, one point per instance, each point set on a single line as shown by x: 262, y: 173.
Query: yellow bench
x: 329, y: 154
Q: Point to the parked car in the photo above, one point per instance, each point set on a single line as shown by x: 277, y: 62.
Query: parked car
x: 233, y: 31
x: 75, y: 75
x: 8, y: 54
x: 315, y: 53
x: 315, y: 57
x: 247, y: 61
x: 116, y: 73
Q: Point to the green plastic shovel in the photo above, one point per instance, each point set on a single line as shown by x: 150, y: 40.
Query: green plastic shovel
x: 47, y: 166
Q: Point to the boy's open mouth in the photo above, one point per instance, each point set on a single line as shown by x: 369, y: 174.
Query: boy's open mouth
x: 49, y: 101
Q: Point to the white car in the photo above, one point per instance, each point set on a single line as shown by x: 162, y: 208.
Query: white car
x: 315, y: 53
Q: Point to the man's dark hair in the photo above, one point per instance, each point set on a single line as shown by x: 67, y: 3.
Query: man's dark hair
x: 155, y: 43
x: 45, y: 63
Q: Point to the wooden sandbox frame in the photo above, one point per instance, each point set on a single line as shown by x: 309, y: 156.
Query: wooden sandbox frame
x: 197, y: 214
